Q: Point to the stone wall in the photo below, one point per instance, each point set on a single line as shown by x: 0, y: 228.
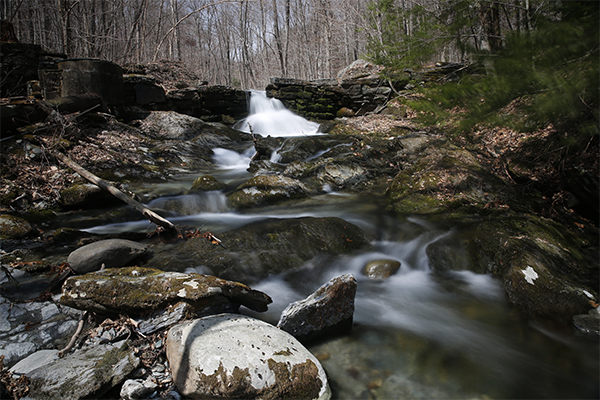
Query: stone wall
x: 330, y: 98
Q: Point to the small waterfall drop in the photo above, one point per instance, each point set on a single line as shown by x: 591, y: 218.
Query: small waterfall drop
x: 269, y: 117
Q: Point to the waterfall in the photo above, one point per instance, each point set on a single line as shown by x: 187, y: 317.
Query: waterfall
x: 269, y: 117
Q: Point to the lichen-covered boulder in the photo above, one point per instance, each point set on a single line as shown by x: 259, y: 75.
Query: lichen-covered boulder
x: 86, y: 373
x: 172, y: 125
x: 234, y: 356
x: 137, y: 290
x: 328, y: 311
x: 266, y: 189
x: 113, y: 253
x: 381, y: 269
x: 12, y: 227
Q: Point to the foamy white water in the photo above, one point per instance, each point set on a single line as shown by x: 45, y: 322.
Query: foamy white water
x: 269, y: 117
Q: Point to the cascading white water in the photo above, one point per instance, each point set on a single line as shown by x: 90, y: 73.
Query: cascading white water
x: 269, y: 117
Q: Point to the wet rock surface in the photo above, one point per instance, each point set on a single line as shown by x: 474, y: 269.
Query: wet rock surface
x: 232, y: 356
x: 269, y: 247
x: 326, y: 312
x: 381, y: 269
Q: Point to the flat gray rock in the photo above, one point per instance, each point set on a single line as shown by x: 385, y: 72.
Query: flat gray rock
x: 86, y: 373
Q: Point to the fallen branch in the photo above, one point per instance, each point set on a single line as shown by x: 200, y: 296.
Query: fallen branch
x: 74, y: 337
x: 151, y: 215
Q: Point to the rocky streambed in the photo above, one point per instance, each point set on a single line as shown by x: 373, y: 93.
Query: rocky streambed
x: 413, y: 270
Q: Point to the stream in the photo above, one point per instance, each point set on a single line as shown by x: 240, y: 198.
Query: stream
x: 418, y: 334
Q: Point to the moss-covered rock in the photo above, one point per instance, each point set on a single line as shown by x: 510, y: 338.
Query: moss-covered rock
x: 266, y: 189
x: 255, y: 251
x: 137, y: 290
x: 12, y: 227
x: 207, y: 183
x: 82, y: 195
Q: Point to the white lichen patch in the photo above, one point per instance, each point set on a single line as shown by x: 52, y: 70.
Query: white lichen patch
x: 192, y: 284
x: 252, y: 191
x: 214, y: 290
x: 588, y: 294
x: 182, y: 293
x: 530, y: 275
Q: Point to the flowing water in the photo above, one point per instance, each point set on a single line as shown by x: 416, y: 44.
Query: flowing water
x: 418, y: 334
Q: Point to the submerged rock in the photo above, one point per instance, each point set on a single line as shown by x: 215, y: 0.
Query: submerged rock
x: 86, y: 373
x: 137, y: 290
x: 381, y: 269
x: 113, y: 253
x: 328, y: 311
x: 233, y: 356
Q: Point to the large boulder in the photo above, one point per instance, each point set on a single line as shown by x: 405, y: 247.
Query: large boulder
x: 172, y: 125
x: 87, y: 373
x: 112, y: 253
x: 137, y: 290
x: 255, y: 251
x: 234, y: 356
x: 328, y: 311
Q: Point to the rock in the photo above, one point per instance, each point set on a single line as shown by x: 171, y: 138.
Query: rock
x: 142, y: 89
x: 266, y: 189
x: 86, y: 373
x: 258, y: 250
x: 85, y: 195
x: 381, y: 269
x: 589, y: 323
x: 33, y: 361
x: 113, y: 253
x: 136, y: 290
x: 207, y: 183
x: 28, y: 327
x: 134, y: 389
x: 326, y: 312
x: 341, y: 175
x: 164, y: 318
x: 233, y: 356
x: 172, y: 125
x: 12, y: 227
x: 359, y: 69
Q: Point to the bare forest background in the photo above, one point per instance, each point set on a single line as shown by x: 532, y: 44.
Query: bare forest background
x: 243, y: 43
